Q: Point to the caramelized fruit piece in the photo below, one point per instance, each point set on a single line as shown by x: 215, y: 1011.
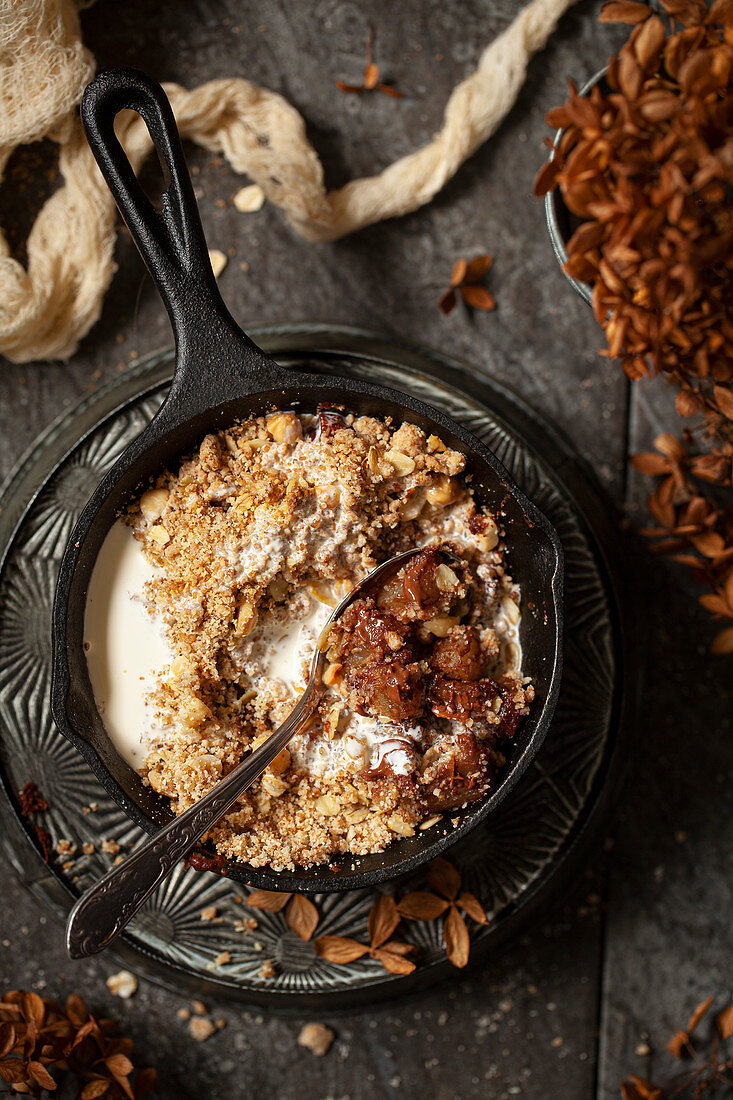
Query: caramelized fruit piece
x: 459, y: 655
x: 461, y: 774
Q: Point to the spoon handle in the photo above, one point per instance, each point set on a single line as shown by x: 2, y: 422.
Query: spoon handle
x: 108, y: 906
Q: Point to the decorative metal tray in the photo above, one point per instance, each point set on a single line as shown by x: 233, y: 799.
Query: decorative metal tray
x: 530, y: 846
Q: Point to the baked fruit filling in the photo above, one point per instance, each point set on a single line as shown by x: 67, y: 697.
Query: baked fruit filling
x: 251, y: 542
x: 406, y: 654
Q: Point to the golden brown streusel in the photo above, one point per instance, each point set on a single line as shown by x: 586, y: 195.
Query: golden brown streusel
x: 256, y: 537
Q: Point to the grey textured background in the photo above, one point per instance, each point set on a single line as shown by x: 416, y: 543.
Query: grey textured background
x: 644, y: 935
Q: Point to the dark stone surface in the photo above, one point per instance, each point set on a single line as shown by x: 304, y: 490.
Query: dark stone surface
x: 562, y: 1011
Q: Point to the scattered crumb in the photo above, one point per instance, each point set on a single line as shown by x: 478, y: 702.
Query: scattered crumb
x: 557, y: 1041
x: 249, y: 199
x: 218, y: 261
x: 223, y: 958
x: 184, y: 1013
x: 209, y: 913
x: 642, y: 1050
x: 87, y: 848
x: 199, y: 1008
x: 201, y: 1028
x: 317, y: 1038
x: 65, y: 848
x: 267, y: 970
x: 110, y: 847
x: 220, y: 1023
x: 122, y: 984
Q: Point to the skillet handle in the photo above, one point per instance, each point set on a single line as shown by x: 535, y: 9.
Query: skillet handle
x: 170, y: 239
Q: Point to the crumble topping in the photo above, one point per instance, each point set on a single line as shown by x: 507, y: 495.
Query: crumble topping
x: 256, y: 537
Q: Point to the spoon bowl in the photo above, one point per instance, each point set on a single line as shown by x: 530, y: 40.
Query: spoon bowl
x: 221, y: 376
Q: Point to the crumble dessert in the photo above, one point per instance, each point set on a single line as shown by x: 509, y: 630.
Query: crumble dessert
x: 252, y: 542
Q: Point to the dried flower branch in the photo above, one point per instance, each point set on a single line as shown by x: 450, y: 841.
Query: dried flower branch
x: 465, y: 281
x: 706, y: 1073
x: 43, y: 1045
x: 445, y: 901
x: 371, y: 82
x: 693, y: 529
x: 301, y: 915
x: 383, y: 921
x: 647, y: 167
x: 32, y: 802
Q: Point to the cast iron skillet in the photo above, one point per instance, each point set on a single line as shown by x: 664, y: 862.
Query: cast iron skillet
x: 220, y: 376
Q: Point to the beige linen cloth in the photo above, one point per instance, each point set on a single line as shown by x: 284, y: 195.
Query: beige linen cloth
x: 47, y: 307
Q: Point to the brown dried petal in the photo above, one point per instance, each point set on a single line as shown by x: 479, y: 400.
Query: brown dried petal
x: 651, y: 464
x: 473, y: 907
x: 698, y: 1014
x: 477, y: 268
x: 393, y: 962
x: 649, y: 40
x: 657, y: 106
x: 459, y: 272
x: 7, y: 1039
x: 76, y: 1010
x: 457, y: 940
x: 720, y: 11
x: 447, y: 301
x: 89, y: 1028
x: 477, y: 297
x: 422, y: 905
x: 272, y: 901
x: 725, y: 1019
x: 715, y: 603
x: 96, y: 1088
x: 678, y: 1043
x: 629, y: 74
x: 547, y: 177
x: 709, y: 544
x: 645, y: 1090
x: 339, y: 949
x: 12, y: 1070
x: 119, y: 1065
x: 371, y: 76
x: 40, y: 1074
x: 686, y: 403
x: 400, y: 948
x: 624, y: 11
x: 383, y: 919
x: 670, y: 446
x: 33, y: 1008
x: 301, y: 916
x: 387, y: 89
x: 444, y: 878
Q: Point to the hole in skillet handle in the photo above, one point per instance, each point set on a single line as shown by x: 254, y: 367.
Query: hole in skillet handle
x: 220, y: 376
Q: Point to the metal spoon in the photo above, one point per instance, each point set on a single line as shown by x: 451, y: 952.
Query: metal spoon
x: 107, y: 907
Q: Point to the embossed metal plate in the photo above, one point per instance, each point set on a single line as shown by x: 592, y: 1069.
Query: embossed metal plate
x: 511, y: 862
